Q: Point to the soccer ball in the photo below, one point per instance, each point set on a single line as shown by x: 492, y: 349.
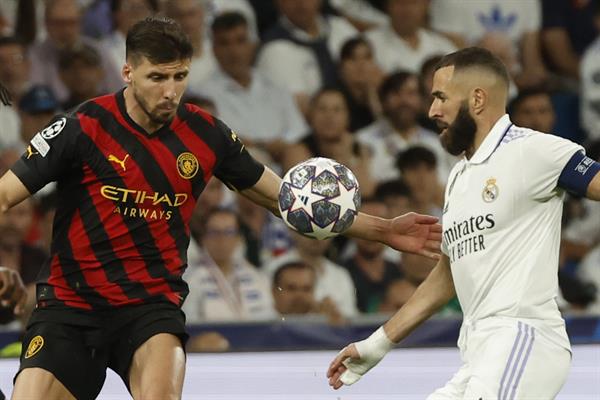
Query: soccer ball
x: 319, y: 198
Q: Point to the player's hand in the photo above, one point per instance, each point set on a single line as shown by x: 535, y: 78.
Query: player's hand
x: 415, y: 233
x: 12, y: 291
x: 358, y: 358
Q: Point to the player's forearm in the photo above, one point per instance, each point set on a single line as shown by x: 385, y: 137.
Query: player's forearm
x: 266, y: 191
x: 12, y: 191
x: 369, y: 227
x: 430, y: 296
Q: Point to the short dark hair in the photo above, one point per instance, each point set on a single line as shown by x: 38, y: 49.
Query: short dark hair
x: 395, y: 187
x: 524, y: 94
x: 393, y: 83
x: 160, y: 40
x: 475, y: 57
x: 288, y: 266
x: 328, y: 89
x: 415, y: 156
x: 228, y: 21
x: 351, y: 44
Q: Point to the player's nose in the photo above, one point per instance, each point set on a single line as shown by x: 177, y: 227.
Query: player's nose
x: 434, y: 109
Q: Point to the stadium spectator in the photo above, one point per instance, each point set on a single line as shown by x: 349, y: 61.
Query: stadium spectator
x: 262, y: 113
x: 568, y: 29
x: 370, y: 271
x: 63, y: 23
x: 243, y: 7
x: 333, y: 281
x: 293, y: 291
x: 81, y: 73
x: 224, y: 286
x: 190, y: 14
x: 418, y: 167
x: 399, y: 128
x: 124, y: 13
x: 405, y: 43
x: 329, y: 137
x: 363, y: 14
x: 467, y: 23
x: 360, y: 78
x: 18, y: 255
x: 533, y: 109
x: 14, y: 66
x: 397, y: 294
x: 425, y: 84
x: 36, y: 108
x: 590, y: 83
x: 301, y: 50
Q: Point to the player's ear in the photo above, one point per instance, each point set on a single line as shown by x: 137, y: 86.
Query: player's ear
x: 479, y: 99
x: 126, y: 73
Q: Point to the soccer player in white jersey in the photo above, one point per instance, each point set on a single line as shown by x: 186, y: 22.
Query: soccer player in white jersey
x: 501, y: 224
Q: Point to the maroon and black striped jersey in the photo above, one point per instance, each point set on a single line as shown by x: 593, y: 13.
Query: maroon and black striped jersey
x: 121, y: 229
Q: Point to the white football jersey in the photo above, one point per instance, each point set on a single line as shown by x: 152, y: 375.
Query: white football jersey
x: 502, y: 218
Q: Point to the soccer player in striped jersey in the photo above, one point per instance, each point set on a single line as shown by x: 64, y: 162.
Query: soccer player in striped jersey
x: 501, y: 239
x: 129, y: 168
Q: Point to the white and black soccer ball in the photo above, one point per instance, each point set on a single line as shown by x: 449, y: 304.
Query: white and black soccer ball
x: 319, y: 198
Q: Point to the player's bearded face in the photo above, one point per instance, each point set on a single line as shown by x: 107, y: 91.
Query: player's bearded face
x: 460, y: 134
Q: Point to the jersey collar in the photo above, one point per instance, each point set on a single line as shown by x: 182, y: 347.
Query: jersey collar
x: 491, y: 141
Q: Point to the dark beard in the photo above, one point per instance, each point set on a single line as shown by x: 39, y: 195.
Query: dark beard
x: 460, y: 135
x: 144, y: 106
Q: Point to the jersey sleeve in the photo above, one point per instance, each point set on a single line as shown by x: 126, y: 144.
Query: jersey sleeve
x: 237, y: 169
x: 49, y: 154
x: 544, y: 156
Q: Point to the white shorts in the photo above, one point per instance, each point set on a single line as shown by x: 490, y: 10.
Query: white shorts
x: 506, y: 359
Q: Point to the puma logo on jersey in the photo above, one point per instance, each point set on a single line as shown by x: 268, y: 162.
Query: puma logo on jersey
x: 30, y: 152
x: 112, y: 158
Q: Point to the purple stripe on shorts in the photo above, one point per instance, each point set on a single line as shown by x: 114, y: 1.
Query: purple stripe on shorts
x: 510, y: 360
x: 514, y: 389
x: 515, y: 365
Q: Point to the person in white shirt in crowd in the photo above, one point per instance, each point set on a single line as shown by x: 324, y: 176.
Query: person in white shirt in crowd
x: 405, y: 43
x: 217, y: 7
x: 590, y: 84
x: 191, y: 15
x: 260, y: 111
x: 125, y: 13
x: 293, y: 288
x: 333, y: 281
x: 63, y: 23
x: 399, y: 128
x: 224, y: 286
x: 502, y: 218
x: 300, y: 52
x: 468, y: 22
x: 329, y: 137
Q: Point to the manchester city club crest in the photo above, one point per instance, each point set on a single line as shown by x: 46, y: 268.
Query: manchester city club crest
x: 187, y: 165
x: 490, y: 191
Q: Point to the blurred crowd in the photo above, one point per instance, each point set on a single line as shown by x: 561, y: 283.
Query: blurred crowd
x: 344, y: 79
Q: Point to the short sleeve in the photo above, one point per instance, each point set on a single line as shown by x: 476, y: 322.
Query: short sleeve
x: 49, y: 154
x: 544, y: 156
x: 237, y: 169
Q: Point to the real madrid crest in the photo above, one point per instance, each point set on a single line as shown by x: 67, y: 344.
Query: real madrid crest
x: 35, y: 346
x: 490, y: 191
x: 187, y: 165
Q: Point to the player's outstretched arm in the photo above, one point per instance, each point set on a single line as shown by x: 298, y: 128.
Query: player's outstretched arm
x: 265, y: 192
x: 412, y: 233
x: 12, y: 191
x: 358, y: 358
